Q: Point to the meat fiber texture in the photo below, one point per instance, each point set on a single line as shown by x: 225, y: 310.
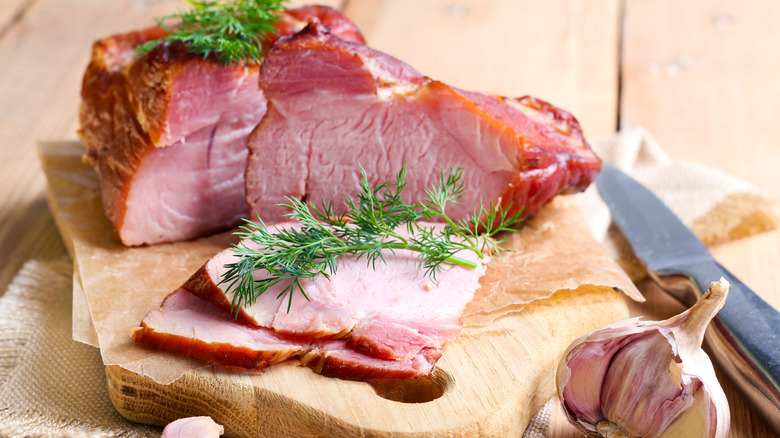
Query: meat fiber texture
x: 351, y: 325
x: 166, y: 132
x: 335, y: 106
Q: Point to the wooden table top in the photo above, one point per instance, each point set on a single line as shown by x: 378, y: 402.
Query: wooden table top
x: 700, y: 75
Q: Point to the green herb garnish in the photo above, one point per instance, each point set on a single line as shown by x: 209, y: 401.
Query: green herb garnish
x: 366, y: 229
x: 231, y: 30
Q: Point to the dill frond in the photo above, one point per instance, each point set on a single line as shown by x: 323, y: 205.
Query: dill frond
x: 367, y: 229
x: 232, y: 31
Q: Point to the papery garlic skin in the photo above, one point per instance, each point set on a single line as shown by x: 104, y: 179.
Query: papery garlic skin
x: 646, y: 379
x: 193, y: 427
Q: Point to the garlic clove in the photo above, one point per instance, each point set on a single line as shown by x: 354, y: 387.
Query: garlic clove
x: 644, y: 388
x: 646, y: 378
x: 691, y: 423
x: 583, y: 387
x: 193, y: 427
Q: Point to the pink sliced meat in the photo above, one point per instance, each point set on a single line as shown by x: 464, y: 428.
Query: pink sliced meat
x: 391, y: 311
x: 335, y: 105
x: 333, y: 358
x: 186, y: 324
x: 166, y: 132
x: 363, y: 320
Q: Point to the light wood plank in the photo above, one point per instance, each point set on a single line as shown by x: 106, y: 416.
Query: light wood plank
x: 562, y: 51
x: 44, y: 54
x: 702, y: 77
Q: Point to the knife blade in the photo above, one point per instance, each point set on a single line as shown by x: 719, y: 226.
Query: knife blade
x: 745, y: 336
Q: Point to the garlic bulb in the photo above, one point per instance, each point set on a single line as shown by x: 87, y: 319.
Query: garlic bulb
x: 647, y: 378
x: 193, y: 427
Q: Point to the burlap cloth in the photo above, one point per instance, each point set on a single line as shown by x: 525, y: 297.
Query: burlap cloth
x: 51, y: 385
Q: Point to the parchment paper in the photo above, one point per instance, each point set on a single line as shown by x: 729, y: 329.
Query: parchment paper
x: 119, y: 285
x: 552, y: 252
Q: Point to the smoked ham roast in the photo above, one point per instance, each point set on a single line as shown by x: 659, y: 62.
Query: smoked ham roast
x: 166, y: 132
x: 336, y: 105
x: 351, y: 325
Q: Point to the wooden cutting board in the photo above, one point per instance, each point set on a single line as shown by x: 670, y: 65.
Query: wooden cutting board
x: 490, y: 382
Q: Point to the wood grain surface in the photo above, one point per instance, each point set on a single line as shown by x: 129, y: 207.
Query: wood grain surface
x: 701, y: 75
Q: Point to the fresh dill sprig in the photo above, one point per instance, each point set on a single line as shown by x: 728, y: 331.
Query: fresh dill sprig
x: 368, y: 227
x: 231, y: 30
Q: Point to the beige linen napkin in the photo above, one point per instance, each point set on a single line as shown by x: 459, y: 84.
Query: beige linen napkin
x: 715, y: 205
x: 51, y: 385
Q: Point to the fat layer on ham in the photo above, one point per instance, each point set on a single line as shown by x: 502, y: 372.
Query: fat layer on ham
x: 335, y: 105
x: 166, y: 132
x: 362, y: 320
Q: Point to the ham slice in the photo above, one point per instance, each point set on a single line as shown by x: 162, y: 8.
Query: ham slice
x: 186, y: 324
x: 345, y: 104
x: 389, y: 321
x: 166, y: 132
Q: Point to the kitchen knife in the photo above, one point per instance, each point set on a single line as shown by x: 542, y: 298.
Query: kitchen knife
x: 745, y: 336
